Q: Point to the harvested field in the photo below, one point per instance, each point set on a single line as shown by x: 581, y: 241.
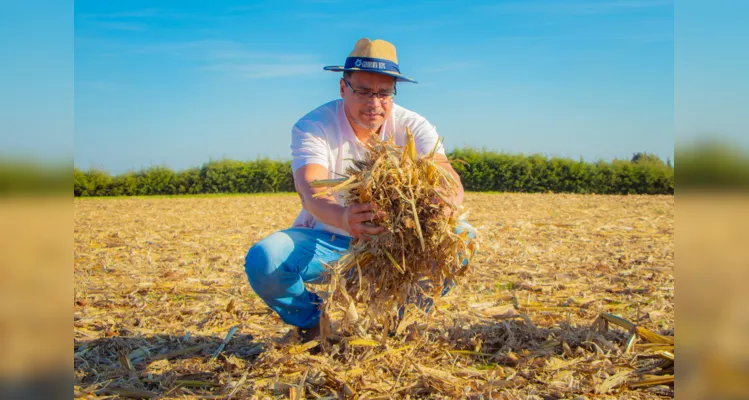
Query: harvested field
x: 160, y: 284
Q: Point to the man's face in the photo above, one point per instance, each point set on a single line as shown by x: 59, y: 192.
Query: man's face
x: 364, y: 109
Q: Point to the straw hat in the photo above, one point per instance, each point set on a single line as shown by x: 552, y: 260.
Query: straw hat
x: 373, y: 56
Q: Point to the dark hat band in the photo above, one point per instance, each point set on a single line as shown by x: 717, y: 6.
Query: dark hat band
x: 376, y: 64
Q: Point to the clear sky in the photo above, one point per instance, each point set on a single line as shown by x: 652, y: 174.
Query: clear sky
x: 181, y: 82
x: 711, y: 61
x: 36, y: 80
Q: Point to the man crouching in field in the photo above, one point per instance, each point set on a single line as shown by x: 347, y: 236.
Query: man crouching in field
x: 324, y: 143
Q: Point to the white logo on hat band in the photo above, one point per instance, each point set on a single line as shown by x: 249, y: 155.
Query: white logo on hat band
x: 369, y: 64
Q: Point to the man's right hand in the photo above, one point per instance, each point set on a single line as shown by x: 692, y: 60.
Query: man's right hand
x: 327, y: 210
x: 355, y: 216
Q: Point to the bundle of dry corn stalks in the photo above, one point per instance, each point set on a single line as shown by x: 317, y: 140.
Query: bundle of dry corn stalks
x: 419, y: 253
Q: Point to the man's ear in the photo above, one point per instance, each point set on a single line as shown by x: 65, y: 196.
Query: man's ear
x: 342, y: 86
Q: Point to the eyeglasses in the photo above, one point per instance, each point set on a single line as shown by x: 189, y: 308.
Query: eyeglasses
x: 365, y: 95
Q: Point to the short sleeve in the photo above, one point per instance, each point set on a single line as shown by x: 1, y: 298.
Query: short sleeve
x: 308, y: 145
x: 425, y: 136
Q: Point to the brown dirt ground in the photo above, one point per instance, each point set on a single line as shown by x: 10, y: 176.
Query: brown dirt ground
x: 151, y: 271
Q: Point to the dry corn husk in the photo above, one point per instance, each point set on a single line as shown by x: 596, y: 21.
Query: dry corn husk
x: 420, y: 250
x: 152, y: 283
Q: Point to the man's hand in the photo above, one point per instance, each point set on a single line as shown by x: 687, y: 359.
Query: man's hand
x: 355, y: 216
x: 447, y: 210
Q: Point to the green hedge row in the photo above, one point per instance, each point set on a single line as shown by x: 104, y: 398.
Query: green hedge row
x: 489, y: 171
x: 28, y: 176
x: 227, y: 176
x: 479, y: 171
x: 710, y: 165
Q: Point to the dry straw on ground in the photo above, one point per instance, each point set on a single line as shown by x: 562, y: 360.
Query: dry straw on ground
x: 420, y: 251
x: 159, y: 285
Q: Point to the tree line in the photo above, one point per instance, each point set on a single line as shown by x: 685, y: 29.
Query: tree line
x: 479, y: 171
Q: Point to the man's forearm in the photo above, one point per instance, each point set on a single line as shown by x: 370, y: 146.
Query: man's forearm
x: 456, y: 198
x: 325, y: 210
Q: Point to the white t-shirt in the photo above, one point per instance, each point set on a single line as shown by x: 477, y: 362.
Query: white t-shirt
x: 324, y: 136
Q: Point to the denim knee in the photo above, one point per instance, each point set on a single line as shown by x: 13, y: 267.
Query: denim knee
x: 465, y: 226
x: 257, y: 265
x: 461, y: 227
x: 262, y: 261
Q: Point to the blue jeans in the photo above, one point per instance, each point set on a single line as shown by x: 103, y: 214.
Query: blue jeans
x: 279, y: 265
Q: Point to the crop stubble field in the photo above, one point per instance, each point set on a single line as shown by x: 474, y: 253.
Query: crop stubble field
x: 159, y: 283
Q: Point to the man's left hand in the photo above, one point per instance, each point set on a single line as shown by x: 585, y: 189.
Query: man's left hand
x: 447, y: 210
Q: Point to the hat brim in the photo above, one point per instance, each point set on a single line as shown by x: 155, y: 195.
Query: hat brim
x: 397, y: 76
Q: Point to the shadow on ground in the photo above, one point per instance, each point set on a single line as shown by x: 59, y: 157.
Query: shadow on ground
x: 155, y: 366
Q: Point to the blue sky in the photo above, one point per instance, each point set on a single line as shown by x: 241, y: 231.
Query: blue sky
x: 179, y: 83
x: 710, y: 71
x: 36, y: 80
